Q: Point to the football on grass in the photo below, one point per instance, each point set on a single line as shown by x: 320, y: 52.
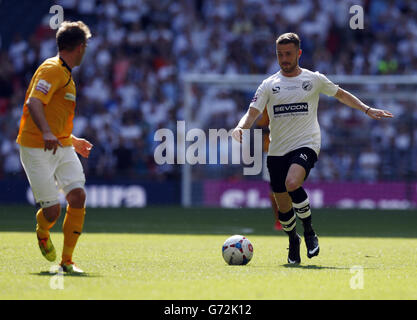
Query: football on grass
x: 237, y: 250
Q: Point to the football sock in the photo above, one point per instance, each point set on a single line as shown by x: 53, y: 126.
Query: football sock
x: 288, y: 222
x: 43, y: 225
x: 301, y: 206
x: 72, y: 228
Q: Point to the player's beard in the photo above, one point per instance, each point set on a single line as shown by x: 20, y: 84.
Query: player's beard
x: 289, y: 68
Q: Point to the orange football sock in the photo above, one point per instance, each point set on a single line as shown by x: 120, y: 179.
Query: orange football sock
x: 43, y: 226
x: 72, y: 228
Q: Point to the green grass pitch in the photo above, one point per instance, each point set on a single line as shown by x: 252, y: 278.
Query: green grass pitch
x: 174, y: 253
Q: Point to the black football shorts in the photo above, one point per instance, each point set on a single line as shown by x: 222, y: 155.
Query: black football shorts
x: 278, y: 166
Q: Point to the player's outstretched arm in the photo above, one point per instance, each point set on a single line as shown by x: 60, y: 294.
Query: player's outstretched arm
x: 35, y: 107
x: 81, y: 146
x: 350, y: 100
x: 245, y: 123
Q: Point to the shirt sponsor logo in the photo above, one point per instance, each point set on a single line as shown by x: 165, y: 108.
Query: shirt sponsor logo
x: 43, y: 86
x: 291, y: 108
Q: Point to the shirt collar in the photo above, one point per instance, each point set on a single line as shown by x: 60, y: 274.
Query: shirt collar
x: 64, y: 64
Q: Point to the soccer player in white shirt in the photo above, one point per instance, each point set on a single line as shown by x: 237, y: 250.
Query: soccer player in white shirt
x: 291, y: 97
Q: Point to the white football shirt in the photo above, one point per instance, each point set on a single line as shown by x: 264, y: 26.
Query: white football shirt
x: 292, y: 104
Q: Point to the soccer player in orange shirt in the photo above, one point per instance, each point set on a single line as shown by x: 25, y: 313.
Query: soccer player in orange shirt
x: 47, y: 146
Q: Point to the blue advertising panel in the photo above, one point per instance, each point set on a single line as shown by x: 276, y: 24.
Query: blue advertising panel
x: 103, y: 194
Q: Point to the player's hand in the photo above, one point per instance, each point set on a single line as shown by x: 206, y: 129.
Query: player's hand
x: 237, y: 134
x: 51, y: 142
x: 379, y: 114
x: 82, y: 146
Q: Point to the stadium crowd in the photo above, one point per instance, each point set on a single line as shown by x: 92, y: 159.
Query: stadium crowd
x: 129, y: 84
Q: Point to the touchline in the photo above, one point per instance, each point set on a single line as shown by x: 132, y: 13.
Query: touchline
x: 173, y: 149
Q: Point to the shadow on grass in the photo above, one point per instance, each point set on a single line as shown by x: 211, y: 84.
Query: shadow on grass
x: 316, y: 267
x: 299, y: 266
x: 80, y: 275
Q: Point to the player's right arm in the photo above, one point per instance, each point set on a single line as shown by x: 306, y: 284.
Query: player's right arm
x: 246, y: 122
x: 35, y: 107
x: 256, y: 107
x: 81, y: 146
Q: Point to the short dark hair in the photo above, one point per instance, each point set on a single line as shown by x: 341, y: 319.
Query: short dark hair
x: 289, y: 37
x: 71, y: 34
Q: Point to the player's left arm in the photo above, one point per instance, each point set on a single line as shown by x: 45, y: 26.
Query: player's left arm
x: 81, y: 146
x: 350, y: 100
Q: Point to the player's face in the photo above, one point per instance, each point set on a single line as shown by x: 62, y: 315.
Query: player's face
x: 288, y: 56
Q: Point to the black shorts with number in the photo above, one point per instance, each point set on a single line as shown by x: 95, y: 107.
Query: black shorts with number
x: 278, y: 166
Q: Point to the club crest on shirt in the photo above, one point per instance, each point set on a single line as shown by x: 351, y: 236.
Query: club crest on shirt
x: 307, y: 85
x: 43, y: 86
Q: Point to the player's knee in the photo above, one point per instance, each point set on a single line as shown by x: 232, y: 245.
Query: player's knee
x: 52, y: 213
x: 76, y: 198
x: 292, y: 184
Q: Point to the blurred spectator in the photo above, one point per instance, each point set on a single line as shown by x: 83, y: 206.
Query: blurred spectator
x: 369, y: 162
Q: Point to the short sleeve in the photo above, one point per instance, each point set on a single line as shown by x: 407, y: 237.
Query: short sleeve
x: 261, y: 97
x: 326, y: 86
x: 46, y: 82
